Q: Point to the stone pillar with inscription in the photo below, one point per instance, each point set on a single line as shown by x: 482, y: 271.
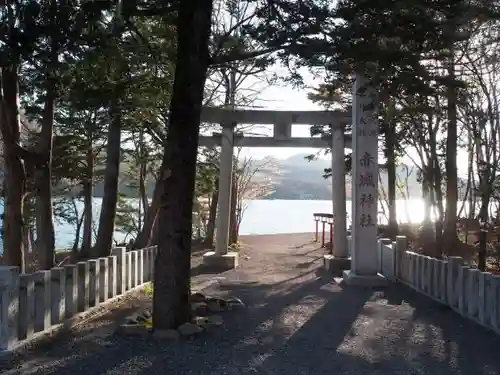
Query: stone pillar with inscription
x: 364, y: 257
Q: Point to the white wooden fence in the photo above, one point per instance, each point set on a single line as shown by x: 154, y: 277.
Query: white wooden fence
x: 468, y: 291
x: 35, y: 304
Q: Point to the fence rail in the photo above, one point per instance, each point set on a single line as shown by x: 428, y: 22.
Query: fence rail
x: 470, y: 292
x: 36, y: 303
x: 324, y: 219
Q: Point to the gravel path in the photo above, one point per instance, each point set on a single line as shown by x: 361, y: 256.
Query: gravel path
x: 298, y: 321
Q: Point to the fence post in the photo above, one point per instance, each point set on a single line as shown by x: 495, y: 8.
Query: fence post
x: 380, y: 249
x: 134, y: 268
x: 323, y: 223
x: 71, y: 303
x: 26, y: 320
x: 58, y: 294
x: 462, y: 291
x: 140, y: 267
x: 119, y: 252
x: 83, y: 286
x: 128, y: 270
x: 103, y: 265
x: 452, y: 275
x: 482, y: 312
x: 112, y: 278
x: 9, y: 306
x: 401, y: 247
x: 316, y: 220
x: 43, y: 301
x: 94, y: 276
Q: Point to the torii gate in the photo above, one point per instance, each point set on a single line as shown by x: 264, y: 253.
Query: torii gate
x: 364, y: 142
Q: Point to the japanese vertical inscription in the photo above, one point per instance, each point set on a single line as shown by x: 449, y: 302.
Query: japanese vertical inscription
x: 365, y: 177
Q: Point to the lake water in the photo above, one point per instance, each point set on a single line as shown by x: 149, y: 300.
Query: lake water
x: 267, y: 217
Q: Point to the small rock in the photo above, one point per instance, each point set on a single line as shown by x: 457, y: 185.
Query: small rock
x: 222, y: 302
x: 189, y: 329
x: 132, y: 319
x: 199, y: 308
x: 200, y: 320
x: 170, y: 334
x: 235, y: 303
x: 214, y: 307
x: 198, y: 297
x: 215, y: 320
x: 133, y: 330
x: 212, y: 322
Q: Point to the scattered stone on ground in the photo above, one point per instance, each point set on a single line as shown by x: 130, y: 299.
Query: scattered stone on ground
x: 199, y: 308
x: 189, y: 329
x: 235, y: 303
x: 204, y: 307
x: 147, y: 313
x: 197, y: 297
x: 214, y: 307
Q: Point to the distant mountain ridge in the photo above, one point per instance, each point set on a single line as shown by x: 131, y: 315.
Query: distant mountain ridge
x: 299, y: 178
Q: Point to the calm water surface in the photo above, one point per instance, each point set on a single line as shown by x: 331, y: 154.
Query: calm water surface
x: 266, y: 217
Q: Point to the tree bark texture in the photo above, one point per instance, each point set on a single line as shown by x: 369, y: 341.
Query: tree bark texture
x: 171, y: 306
x: 43, y: 179
x: 104, y: 240
x: 212, y: 216
x: 14, y: 178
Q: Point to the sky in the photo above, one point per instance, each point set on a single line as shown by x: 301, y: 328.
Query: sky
x: 286, y: 97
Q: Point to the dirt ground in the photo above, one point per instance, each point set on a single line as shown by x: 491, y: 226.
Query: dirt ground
x: 297, y: 320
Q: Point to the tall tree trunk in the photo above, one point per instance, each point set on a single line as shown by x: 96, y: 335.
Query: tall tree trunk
x: 43, y: 180
x: 426, y: 199
x: 427, y: 234
x: 28, y: 235
x: 483, y: 232
x: 391, y: 178
x: 104, y: 240
x: 87, y: 202
x: 142, y: 178
x: 31, y: 234
x: 14, y: 178
x: 450, y: 230
x: 155, y: 232
x: 150, y: 215
x: 143, y: 194
x: 435, y: 184
x: 171, y: 306
x: 212, y: 216
x: 79, y: 222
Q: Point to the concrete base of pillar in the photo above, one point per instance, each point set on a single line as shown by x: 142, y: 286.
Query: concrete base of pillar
x: 370, y: 281
x: 226, y: 261
x: 336, y: 265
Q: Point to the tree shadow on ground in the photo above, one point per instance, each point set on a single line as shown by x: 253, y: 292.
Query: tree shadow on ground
x: 273, y: 312
x: 458, y: 343
x: 305, y: 324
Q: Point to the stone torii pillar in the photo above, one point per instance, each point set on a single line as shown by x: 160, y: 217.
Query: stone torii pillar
x: 364, y: 256
x: 221, y: 257
x: 339, y: 260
